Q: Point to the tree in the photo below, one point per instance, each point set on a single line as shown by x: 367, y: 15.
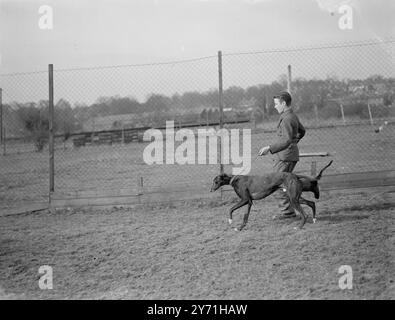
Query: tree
x: 64, y: 120
x: 259, y: 94
x: 192, y: 100
x: 176, y: 102
x: 124, y: 105
x: 204, y: 116
x: 233, y: 96
x: 157, y: 103
x: 36, y: 122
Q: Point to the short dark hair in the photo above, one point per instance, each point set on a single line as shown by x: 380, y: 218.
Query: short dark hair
x: 284, y: 96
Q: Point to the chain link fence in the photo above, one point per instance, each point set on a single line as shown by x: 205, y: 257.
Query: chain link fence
x: 344, y: 95
x: 24, y: 164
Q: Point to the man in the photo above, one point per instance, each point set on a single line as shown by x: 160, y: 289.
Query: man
x: 289, y: 132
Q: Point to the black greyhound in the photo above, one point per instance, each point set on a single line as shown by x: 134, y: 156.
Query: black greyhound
x: 250, y: 188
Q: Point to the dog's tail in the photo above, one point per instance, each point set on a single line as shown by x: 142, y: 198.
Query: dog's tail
x: 318, y: 177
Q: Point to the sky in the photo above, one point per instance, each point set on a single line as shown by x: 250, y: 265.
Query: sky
x: 92, y: 33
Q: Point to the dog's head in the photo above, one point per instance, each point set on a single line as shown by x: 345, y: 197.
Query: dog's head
x: 219, y: 181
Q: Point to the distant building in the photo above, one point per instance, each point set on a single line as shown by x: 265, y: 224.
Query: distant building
x: 247, y: 104
x: 380, y: 88
x: 357, y: 89
x: 376, y: 101
x: 103, y: 123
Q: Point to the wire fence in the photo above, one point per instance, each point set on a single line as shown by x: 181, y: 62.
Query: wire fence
x: 344, y: 94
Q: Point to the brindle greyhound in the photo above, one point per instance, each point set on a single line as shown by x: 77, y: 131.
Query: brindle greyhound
x: 250, y: 188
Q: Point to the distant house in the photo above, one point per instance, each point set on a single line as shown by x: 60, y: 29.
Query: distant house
x: 380, y: 88
x: 357, y: 89
x: 103, y: 123
x: 247, y: 104
x: 213, y: 114
x: 376, y: 101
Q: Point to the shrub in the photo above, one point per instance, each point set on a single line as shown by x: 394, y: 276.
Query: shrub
x: 330, y: 111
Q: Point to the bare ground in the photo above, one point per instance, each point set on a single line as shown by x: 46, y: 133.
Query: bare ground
x: 186, y: 250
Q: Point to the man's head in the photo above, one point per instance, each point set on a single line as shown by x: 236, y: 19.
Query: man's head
x: 282, y: 101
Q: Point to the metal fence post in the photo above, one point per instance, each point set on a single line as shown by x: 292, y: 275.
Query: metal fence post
x: 313, y: 170
x: 140, y: 188
x: 2, y: 127
x: 4, y: 142
x: 221, y: 109
x: 289, y: 79
x: 123, y: 132
x: 51, y: 136
x: 1, y: 115
x: 370, y: 114
x: 342, y: 111
x: 316, y: 113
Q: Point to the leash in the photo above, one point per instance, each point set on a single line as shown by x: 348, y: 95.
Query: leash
x: 234, y: 177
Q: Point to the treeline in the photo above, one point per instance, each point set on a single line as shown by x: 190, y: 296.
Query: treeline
x: 308, y: 96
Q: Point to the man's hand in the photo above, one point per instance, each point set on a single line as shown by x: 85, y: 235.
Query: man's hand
x: 264, y: 151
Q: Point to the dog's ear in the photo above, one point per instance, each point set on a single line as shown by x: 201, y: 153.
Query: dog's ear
x: 224, y: 175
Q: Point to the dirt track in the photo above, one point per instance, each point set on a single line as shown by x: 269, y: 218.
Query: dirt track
x: 187, y: 251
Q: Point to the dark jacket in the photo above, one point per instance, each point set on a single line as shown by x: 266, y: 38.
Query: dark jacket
x: 289, y: 132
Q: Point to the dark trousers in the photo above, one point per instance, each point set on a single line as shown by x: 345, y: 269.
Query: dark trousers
x: 284, y: 166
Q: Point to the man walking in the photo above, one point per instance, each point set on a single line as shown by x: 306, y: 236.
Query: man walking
x: 289, y: 132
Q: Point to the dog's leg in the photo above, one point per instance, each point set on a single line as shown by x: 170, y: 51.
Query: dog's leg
x: 247, y: 196
x: 245, y: 218
x: 299, y: 208
x: 242, y: 202
x: 311, y: 204
x: 294, y: 190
